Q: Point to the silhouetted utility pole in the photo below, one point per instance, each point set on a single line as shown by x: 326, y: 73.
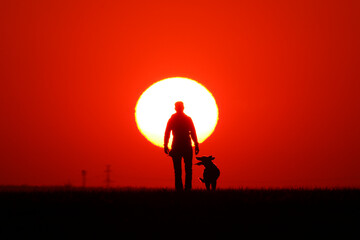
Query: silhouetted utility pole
x: 107, y: 176
x: 83, y: 173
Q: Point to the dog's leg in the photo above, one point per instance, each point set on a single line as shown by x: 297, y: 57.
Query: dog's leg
x: 213, y: 185
x: 207, y: 184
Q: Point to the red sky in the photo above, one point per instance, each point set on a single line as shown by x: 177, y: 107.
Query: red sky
x: 285, y: 75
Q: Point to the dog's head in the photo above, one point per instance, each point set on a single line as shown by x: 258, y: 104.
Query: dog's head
x: 204, y: 160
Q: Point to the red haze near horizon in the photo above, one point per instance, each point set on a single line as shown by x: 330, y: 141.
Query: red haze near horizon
x: 285, y: 75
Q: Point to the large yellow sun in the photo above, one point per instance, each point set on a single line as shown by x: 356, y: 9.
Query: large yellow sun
x: 156, y: 105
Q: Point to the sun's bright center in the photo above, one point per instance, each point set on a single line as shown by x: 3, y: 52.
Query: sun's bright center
x: 156, y: 105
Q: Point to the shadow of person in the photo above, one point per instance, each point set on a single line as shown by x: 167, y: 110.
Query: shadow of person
x: 183, y: 130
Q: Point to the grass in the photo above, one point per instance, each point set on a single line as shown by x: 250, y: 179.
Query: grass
x: 163, y: 211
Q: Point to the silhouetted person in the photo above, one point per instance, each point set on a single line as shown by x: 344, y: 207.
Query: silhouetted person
x: 182, y: 127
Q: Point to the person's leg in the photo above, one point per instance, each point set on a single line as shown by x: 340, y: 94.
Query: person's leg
x: 177, y: 171
x: 188, y: 169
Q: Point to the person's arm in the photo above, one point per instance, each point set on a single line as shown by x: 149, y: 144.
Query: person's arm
x: 194, y: 136
x: 167, y: 136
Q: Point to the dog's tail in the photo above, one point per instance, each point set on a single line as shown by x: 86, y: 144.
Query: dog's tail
x: 202, y: 180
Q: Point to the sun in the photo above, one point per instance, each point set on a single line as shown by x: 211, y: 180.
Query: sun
x: 156, y: 105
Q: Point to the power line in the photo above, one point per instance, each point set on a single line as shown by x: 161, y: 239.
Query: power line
x: 83, y: 173
x: 107, y: 180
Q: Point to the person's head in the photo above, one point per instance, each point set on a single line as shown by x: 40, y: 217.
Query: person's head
x: 179, y: 107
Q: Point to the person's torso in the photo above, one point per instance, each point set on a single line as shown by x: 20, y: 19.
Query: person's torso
x: 181, y: 127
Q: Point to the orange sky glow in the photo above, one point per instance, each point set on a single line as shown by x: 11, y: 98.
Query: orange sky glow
x: 285, y: 76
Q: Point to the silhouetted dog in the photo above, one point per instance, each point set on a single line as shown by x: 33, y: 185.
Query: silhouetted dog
x: 211, y: 172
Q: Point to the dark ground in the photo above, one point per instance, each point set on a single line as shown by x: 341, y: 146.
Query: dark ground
x: 157, y: 212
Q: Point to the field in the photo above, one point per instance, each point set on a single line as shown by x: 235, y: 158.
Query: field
x: 163, y: 212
